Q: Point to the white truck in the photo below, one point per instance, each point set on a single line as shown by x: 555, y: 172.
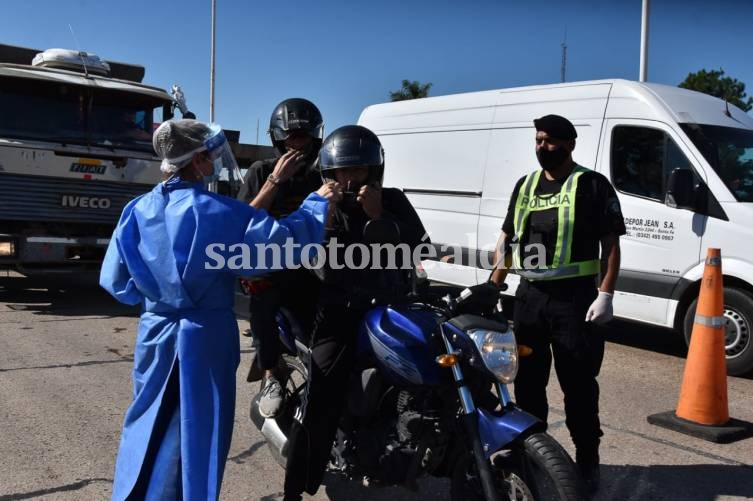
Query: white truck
x: 681, y: 162
x: 75, y: 147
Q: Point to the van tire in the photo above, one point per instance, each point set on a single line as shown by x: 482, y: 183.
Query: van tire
x: 738, y: 313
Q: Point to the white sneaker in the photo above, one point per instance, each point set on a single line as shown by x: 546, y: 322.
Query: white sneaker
x: 271, y: 399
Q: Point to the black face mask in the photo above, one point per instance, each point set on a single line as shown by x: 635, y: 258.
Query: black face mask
x: 550, y: 160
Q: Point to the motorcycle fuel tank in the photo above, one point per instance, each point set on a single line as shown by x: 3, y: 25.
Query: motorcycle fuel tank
x: 404, y: 343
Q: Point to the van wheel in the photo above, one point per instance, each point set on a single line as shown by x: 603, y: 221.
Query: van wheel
x: 738, y: 315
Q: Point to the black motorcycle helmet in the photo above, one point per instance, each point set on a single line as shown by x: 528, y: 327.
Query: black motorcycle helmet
x: 296, y: 114
x: 352, y: 146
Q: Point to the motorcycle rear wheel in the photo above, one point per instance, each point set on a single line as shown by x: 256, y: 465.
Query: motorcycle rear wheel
x: 537, y: 468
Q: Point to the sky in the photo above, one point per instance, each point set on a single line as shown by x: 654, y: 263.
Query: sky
x: 345, y: 55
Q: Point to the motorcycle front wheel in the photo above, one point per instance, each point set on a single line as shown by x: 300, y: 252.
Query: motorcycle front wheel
x: 536, y: 468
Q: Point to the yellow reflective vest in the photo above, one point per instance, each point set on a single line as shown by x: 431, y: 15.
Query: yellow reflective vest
x: 564, y: 201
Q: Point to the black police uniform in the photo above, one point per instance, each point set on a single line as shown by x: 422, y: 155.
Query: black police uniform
x: 288, y: 289
x: 551, y: 313
x: 343, y: 301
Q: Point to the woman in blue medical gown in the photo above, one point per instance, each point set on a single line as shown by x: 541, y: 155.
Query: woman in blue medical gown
x: 177, y: 430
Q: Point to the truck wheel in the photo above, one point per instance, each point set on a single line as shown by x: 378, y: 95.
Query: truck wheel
x: 738, y: 314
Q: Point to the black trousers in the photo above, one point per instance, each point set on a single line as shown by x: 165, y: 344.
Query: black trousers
x: 550, y: 318
x: 294, y: 291
x: 311, y: 438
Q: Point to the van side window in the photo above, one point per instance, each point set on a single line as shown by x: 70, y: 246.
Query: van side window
x: 729, y: 151
x: 642, y: 159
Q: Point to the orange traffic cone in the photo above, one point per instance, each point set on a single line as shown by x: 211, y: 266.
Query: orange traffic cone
x: 702, y: 409
x: 703, y: 395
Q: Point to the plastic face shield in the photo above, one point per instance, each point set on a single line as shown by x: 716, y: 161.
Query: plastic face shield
x: 219, y: 152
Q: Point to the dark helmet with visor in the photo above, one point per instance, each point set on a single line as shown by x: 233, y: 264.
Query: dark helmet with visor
x: 352, y: 146
x: 296, y: 115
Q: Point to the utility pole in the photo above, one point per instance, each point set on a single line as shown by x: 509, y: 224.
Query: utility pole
x: 211, y: 64
x: 644, y: 42
x: 563, y: 68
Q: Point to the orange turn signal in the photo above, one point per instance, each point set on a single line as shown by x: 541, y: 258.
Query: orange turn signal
x: 524, y: 351
x: 447, y: 360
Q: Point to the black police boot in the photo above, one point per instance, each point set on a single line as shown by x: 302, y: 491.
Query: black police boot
x: 588, y: 465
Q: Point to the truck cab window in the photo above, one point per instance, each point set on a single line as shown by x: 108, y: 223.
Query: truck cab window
x: 642, y: 159
x: 73, y: 114
x: 122, y: 121
x: 41, y: 110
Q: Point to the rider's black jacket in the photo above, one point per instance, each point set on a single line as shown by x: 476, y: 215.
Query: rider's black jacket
x: 289, y: 195
x: 290, y: 289
x: 348, y: 285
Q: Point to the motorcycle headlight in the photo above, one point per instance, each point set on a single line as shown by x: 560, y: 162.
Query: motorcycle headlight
x: 498, y: 351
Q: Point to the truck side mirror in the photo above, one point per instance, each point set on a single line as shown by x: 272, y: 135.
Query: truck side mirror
x: 680, y: 192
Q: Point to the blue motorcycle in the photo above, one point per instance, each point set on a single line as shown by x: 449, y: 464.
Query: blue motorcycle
x: 429, y: 396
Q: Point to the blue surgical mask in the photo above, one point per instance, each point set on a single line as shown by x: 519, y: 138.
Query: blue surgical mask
x: 215, y: 175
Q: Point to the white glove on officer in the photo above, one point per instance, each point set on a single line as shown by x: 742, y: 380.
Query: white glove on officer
x: 600, y: 311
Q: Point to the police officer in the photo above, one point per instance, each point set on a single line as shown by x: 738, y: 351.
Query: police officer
x: 353, y: 157
x: 558, y: 219
x: 296, y: 130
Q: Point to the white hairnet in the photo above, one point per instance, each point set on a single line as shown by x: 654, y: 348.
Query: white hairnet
x: 176, y: 142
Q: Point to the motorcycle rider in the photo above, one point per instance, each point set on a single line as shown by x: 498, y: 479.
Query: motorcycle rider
x: 296, y: 130
x: 354, y: 158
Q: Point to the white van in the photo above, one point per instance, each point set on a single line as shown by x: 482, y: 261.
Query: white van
x: 458, y: 157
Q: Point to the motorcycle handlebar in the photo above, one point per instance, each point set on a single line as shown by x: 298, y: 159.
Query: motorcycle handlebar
x: 483, y: 296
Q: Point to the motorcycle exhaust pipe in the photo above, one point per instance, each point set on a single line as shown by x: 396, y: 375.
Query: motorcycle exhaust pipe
x: 272, y: 433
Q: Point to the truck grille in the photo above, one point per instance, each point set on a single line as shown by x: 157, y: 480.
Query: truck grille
x: 38, y: 198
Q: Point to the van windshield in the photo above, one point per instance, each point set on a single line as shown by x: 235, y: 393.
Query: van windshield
x: 729, y: 151
x: 72, y: 114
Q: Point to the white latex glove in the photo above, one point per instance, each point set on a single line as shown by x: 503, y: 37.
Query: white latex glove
x: 600, y: 311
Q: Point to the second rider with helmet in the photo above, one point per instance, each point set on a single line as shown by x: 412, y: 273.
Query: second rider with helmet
x: 296, y: 129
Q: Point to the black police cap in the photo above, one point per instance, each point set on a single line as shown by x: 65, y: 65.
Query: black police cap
x: 556, y: 126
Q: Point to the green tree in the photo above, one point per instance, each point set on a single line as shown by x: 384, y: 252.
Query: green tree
x: 716, y: 84
x: 411, y: 90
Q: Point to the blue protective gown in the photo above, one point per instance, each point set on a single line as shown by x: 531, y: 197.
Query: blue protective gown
x: 177, y: 431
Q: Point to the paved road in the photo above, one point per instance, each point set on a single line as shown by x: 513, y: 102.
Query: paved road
x: 65, y: 361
